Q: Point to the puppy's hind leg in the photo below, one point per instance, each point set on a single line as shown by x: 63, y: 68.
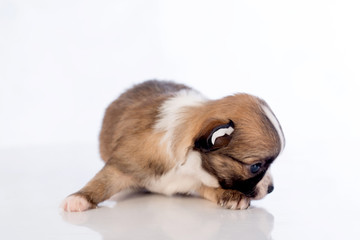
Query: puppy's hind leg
x: 106, y: 183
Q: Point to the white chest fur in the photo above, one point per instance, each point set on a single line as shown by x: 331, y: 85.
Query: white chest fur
x: 187, y: 175
x: 184, y: 178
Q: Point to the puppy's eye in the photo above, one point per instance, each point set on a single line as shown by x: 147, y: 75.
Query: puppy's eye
x: 255, y: 168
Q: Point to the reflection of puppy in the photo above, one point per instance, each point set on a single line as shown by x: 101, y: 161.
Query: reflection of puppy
x: 167, y: 138
x: 135, y: 211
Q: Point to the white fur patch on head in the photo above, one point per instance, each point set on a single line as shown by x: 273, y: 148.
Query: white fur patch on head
x: 221, y: 132
x: 275, y: 123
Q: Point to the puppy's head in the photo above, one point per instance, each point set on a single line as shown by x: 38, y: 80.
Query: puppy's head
x: 238, y: 142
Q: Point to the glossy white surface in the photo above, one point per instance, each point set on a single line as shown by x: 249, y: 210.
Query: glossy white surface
x: 308, y: 202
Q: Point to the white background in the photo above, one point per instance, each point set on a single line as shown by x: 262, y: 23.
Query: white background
x: 63, y: 62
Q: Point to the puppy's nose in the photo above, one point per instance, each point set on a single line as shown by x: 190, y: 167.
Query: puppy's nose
x: 270, y: 188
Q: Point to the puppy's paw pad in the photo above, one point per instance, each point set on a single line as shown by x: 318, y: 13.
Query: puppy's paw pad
x: 75, y: 203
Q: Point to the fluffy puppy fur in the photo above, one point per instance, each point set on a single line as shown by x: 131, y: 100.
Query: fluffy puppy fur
x: 168, y: 138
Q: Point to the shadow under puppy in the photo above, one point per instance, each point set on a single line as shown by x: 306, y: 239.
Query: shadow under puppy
x: 168, y: 138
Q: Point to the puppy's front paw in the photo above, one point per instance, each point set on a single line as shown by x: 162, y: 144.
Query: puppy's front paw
x: 232, y: 199
x: 76, y: 203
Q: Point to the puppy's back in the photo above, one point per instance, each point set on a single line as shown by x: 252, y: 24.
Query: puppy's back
x: 133, y: 111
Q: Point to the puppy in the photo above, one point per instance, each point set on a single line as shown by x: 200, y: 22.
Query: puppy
x: 168, y: 138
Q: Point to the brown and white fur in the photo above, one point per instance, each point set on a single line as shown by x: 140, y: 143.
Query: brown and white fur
x: 168, y: 138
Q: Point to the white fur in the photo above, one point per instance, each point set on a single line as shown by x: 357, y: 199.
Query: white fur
x: 188, y: 174
x: 183, y: 178
x: 221, y: 132
x: 75, y: 204
x: 262, y: 186
x: 171, y: 109
x: 276, y: 124
x: 171, y: 114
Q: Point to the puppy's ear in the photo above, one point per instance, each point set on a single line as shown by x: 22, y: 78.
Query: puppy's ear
x: 216, y: 134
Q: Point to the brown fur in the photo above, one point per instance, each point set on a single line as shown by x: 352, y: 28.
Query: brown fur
x: 132, y: 113
x: 255, y: 139
x: 134, y: 152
